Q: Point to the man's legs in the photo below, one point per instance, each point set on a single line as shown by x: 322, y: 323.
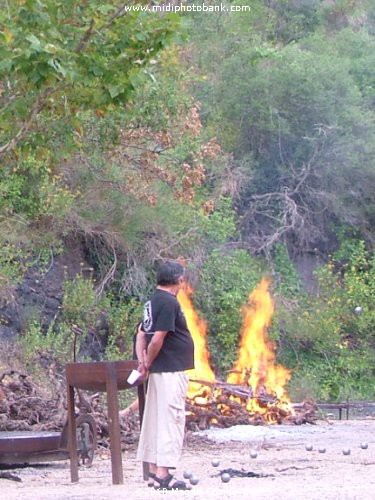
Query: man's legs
x: 147, y: 439
x: 163, y: 422
x: 171, y: 422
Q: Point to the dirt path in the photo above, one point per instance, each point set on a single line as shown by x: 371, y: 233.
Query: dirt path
x: 290, y: 472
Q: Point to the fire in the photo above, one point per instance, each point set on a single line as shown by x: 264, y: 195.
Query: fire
x: 198, y: 329
x: 255, y: 365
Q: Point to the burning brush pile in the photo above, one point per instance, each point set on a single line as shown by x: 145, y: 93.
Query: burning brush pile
x: 254, y: 392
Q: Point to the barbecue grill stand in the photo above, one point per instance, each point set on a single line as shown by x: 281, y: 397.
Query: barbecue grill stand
x: 103, y: 376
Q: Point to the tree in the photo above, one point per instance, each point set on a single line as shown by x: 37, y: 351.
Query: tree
x: 61, y: 58
x: 63, y: 64
x: 95, y: 130
x: 298, y: 116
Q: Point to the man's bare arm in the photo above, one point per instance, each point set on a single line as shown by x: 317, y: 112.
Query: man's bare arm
x: 140, y: 350
x: 140, y: 344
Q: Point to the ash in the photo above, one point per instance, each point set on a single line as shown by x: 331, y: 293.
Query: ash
x: 250, y: 433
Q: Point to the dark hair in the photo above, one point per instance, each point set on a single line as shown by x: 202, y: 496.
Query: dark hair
x: 169, y: 273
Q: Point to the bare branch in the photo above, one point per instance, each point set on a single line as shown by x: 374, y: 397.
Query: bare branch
x: 120, y: 12
x: 279, y: 208
x: 176, y: 242
x: 109, y: 276
x: 86, y: 37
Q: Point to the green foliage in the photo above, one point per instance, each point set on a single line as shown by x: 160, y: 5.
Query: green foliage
x: 54, y: 346
x: 300, y: 104
x: 324, y: 338
x: 226, y: 281
x: 79, y: 309
x: 79, y: 301
x: 347, y: 376
x: 85, y: 55
x: 159, y: 98
x: 220, y: 226
x: 31, y: 191
x: 112, y: 321
x: 96, y: 127
x: 123, y: 320
x: 79, y: 305
x: 83, y: 308
x: 294, y: 20
x: 12, y: 266
x: 287, y: 280
x: 62, y: 65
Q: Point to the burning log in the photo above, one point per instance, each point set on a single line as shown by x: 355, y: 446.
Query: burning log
x: 225, y: 405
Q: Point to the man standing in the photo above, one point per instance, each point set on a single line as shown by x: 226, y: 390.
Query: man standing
x: 165, y: 349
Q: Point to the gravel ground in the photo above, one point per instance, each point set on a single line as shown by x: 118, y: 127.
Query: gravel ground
x: 288, y: 471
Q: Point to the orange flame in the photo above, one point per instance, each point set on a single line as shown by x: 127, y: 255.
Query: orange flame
x: 255, y: 365
x: 198, y: 330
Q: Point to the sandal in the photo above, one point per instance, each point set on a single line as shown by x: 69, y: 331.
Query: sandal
x: 165, y: 484
x: 151, y: 479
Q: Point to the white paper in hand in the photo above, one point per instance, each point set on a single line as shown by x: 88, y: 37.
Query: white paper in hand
x: 133, y: 377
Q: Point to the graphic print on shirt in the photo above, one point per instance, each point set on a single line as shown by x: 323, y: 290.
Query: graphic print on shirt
x: 147, y: 317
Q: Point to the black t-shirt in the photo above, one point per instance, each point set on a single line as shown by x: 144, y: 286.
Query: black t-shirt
x: 163, y: 313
